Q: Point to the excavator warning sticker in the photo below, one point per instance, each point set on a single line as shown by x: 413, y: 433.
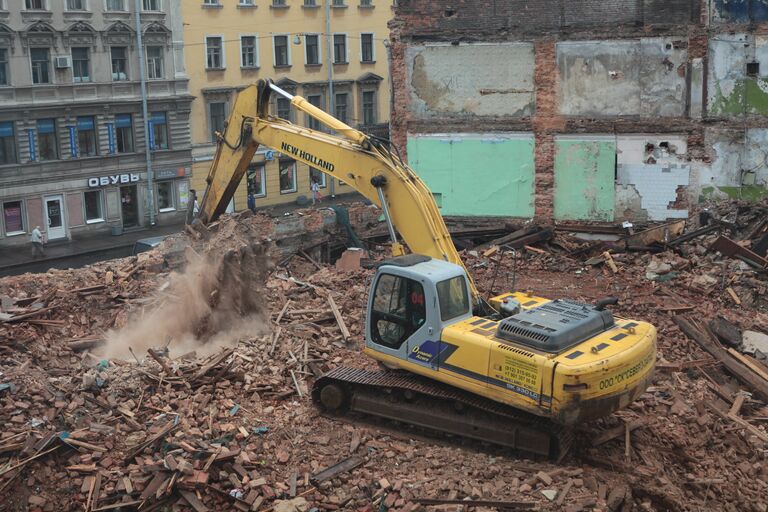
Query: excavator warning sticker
x: 519, y: 376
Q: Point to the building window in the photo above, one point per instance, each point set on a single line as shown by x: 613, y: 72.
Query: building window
x: 214, y: 52
x: 339, y: 48
x: 119, y: 63
x: 312, y: 48
x: 278, y: 3
x: 366, y: 48
x: 310, y: 3
x: 366, y: 3
x: 46, y: 140
x: 41, y: 65
x: 159, y: 125
x: 4, y: 67
x: 341, y: 107
x: 287, y: 176
x: 282, y: 57
x: 369, y: 107
x: 256, y: 180
x: 75, y: 5
x: 13, y: 217
x: 115, y: 5
x: 246, y: 3
x: 93, y: 207
x: 312, y: 123
x: 35, y: 5
x: 86, y: 136
x: 165, y: 202
x: 248, y: 52
x: 339, y: 3
x: 155, y: 62
x: 7, y: 143
x: 151, y: 5
x: 80, y: 65
x: 284, y: 108
x: 217, y: 113
x: 316, y: 176
x: 211, y: 2
x: 124, y: 129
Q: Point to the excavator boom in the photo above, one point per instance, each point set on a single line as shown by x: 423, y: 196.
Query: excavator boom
x: 363, y: 162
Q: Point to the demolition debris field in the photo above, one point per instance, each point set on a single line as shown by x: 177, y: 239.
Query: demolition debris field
x: 180, y: 378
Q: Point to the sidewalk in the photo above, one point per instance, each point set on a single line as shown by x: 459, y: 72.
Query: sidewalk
x: 11, y: 257
x: 117, y: 246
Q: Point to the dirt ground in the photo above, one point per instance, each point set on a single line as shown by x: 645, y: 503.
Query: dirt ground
x: 233, y: 428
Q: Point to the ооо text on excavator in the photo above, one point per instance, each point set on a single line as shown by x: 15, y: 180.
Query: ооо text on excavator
x: 518, y: 370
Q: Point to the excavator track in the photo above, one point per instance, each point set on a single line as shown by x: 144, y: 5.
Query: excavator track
x: 424, y: 403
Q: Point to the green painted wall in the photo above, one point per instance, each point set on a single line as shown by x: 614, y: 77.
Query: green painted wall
x: 477, y: 174
x: 748, y: 96
x: 584, y: 179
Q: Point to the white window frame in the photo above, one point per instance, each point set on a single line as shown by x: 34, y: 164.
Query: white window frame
x: 346, y: 47
x: 209, y: 118
x: 159, y: 6
x: 223, y: 52
x: 46, y: 7
x: 24, y: 219
x: 295, y: 180
x: 85, y: 6
x: 107, y: 9
x: 101, y: 207
x: 373, y: 48
x: 288, y: 46
x: 90, y: 64
x: 319, y: 49
x: 146, y: 61
x: 51, y: 71
x: 214, y: 3
x: 263, y: 168
x: 256, y: 63
x: 172, y: 198
x: 246, y: 3
x: 323, y: 178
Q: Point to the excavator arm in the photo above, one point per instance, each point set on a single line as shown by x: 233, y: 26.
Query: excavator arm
x: 361, y: 161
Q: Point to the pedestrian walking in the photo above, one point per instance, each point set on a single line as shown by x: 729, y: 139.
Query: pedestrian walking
x: 37, y: 243
x: 315, y: 188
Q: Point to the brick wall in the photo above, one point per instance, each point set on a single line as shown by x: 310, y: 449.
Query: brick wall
x: 545, y: 23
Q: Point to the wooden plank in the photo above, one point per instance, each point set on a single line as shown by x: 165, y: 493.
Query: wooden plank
x: 340, y: 467
x: 339, y: 320
x: 500, y: 504
x: 733, y: 295
x: 193, y: 501
x: 752, y: 365
x: 610, y: 262
x: 616, y: 432
x: 282, y: 311
x: 704, y: 337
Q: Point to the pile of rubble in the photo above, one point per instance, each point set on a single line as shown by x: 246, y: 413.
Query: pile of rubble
x: 229, y: 425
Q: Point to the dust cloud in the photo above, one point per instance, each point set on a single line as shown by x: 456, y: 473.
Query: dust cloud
x: 215, y: 302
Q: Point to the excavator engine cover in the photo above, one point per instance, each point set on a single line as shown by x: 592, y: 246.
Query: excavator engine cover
x: 555, y: 326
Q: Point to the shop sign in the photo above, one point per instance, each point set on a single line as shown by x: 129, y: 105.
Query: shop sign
x: 115, y: 179
x: 167, y: 174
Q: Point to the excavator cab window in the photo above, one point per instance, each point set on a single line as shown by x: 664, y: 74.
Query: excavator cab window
x: 399, y: 310
x: 454, y: 299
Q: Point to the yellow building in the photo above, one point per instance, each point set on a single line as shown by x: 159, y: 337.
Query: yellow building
x: 332, y: 54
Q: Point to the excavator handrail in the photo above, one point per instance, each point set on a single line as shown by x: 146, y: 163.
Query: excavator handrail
x: 362, y: 161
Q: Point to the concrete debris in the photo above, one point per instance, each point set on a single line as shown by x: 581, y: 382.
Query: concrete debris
x: 226, y: 422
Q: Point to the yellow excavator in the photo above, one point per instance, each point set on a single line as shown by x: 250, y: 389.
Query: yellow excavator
x: 517, y: 370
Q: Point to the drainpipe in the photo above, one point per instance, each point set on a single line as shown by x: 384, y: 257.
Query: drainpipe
x: 145, y: 113
x: 388, y: 46
x: 331, y: 97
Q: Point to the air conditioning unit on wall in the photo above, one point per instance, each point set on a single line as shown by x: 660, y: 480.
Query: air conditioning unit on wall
x: 62, y: 62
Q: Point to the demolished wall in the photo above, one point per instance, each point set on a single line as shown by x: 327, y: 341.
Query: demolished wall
x: 640, y: 72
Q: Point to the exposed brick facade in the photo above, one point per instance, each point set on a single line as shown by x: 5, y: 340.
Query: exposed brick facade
x: 545, y: 23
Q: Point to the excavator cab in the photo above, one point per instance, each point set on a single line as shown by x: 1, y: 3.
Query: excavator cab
x: 412, y: 299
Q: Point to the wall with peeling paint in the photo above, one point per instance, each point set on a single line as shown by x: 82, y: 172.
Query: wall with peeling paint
x: 732, y: 93
x: 477, y: 174
x: 740, y: 160
x: 738, y: 11
x: 495, y: 79
x: 584, y: 177
x: 642, y: 77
